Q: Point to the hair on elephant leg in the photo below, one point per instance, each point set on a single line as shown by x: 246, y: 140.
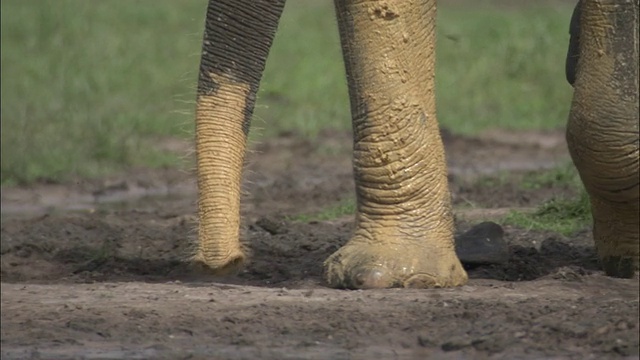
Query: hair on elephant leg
x: 603, y: 128
x: 404, y: 222
x: 237, y: 38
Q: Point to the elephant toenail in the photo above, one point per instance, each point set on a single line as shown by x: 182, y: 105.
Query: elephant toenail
x: 371, y: 279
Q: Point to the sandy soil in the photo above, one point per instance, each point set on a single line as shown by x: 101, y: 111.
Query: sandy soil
x: 94, y: 269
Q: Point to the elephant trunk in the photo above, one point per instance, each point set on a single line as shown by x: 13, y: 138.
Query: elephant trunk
x: 603, y: 129
x: 237, y: 39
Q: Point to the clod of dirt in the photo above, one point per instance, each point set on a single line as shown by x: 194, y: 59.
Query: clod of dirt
x: 271, y: 226
x: 456, y: 344
x: 492, y: 344
x: 483, y: 244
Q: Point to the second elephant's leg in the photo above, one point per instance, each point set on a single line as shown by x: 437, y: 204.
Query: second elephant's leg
x: 404, y: 222
x: 602, y: 131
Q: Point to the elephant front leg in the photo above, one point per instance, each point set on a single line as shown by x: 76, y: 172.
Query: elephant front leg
x: 404, y: 222
x: 237, y: 38
x: 602, y: 132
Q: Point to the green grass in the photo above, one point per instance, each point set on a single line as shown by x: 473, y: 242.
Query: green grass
x: 564, y: 216
x: 504, y: 69
x: 343, y: 208
x: 564, y: 175
x: 89, y: 86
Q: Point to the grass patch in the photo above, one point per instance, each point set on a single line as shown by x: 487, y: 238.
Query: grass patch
x: 564, y: 216
x: 345, y: 207
x: 562, y: 176
x: 502, y: 69
x: 565, y: 175
x: 86, y: 84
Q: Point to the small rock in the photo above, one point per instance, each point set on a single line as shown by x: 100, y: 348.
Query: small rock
x: 482, y: 244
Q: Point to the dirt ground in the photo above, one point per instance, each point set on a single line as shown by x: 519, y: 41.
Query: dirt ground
x: 94, y: 269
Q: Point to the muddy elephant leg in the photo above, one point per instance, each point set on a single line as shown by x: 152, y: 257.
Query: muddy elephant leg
x: 602, y: 132
x: 404, y: 226
x: 237, y: 38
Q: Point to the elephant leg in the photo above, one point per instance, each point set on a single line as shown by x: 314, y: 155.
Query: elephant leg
x: 237, y: 38
x: 404, y: 224
x: 603, y: 129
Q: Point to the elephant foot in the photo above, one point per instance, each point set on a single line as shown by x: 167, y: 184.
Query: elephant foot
x: 616, y: 234
x: 624, y: 267
x: 362, y: 264
x: 617, y: 261
x: 618, y: 253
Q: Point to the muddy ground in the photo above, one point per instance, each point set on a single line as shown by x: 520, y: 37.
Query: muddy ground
x: 94, y: 269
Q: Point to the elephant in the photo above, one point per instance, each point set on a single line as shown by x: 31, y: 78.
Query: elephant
x: 403, y: 234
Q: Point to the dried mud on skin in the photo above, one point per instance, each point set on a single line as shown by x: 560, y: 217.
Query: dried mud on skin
x: 109, y: 281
